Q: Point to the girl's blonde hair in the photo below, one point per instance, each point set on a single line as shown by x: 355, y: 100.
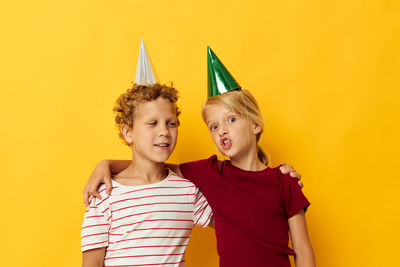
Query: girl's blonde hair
x: 242, y: 103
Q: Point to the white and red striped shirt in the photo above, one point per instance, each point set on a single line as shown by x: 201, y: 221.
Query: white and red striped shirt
x: 147, y: 225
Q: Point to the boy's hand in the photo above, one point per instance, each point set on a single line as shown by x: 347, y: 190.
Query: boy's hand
x: 289, y: 169
x: 101, y: 174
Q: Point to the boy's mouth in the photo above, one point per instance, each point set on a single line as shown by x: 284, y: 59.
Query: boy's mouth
x: 162, y: 145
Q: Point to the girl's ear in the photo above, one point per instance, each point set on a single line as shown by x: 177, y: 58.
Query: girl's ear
x: 256, y: 128
x: 126, y: 131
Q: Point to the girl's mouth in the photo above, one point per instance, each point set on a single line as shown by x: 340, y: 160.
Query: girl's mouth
x: 226, y: 143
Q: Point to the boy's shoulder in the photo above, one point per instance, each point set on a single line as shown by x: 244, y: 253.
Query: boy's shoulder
x: 179, y: 180
x: 102, y: 190
x: 95, y: 202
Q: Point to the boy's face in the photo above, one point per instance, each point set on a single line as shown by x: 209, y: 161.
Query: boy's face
x: 154, y: 132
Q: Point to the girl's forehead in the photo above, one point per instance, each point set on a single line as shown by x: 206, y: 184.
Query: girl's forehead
x: 216, y: 111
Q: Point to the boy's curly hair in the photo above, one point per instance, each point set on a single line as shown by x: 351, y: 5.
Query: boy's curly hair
x: 127, y: 103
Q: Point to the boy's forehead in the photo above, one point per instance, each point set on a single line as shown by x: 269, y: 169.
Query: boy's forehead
x: 159, y: 106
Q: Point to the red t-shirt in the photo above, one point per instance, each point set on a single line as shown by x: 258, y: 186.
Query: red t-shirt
x: 251, y: 211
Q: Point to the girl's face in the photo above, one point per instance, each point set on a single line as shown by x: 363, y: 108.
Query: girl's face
x: 234, y: 136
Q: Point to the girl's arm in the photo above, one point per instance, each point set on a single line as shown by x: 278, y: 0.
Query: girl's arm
x: 102, y: 174
x: 93, y: 257
x: 304, y: 255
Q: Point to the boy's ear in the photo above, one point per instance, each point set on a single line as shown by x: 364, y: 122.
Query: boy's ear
x: 126, y: 131
x: 256, y: 129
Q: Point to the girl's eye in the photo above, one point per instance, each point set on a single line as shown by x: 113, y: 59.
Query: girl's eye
x: 173, y: 124
x: 152, y: 123
x: 232, y: 119
x: 213, y: 127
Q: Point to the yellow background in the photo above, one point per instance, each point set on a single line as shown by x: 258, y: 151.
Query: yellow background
x: 326, y: 74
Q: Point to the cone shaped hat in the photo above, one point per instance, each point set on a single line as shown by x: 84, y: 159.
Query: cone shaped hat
x: 219, y: 78
x: 144, y: 72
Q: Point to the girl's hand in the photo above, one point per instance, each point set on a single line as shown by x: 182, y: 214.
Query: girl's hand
x: 289, y: 169
x: 100, y: 175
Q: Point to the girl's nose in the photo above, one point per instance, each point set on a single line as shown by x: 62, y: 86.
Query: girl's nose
x: 222, y: 130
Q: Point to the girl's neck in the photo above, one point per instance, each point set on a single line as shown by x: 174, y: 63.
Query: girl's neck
x: 248, y: 162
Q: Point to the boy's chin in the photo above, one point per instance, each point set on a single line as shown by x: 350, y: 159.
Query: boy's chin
x: 161, y: 160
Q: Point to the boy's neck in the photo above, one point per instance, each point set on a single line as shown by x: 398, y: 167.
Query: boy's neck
x: 142, y: 172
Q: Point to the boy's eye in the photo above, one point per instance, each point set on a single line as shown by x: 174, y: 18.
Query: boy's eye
x: 232, y: 119
x: 213, y: 127
x: 152, y: 123
x: 173, y: 123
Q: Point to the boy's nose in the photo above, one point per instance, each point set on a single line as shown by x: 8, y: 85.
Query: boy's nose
x: 163, y: 131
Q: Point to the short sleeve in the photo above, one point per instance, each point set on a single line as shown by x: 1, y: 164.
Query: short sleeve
x: 201, y: 210
x: 96, y: 224
x: 195, y: 170
x: 294, y: 199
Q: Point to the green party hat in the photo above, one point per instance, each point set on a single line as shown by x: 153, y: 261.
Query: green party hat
x: 219, y: 78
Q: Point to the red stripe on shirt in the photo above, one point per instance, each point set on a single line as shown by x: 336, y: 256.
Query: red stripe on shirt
x: 175, y: 180
x: 201, y: 215
x: 93, y: 207
x: 160, y: 246
x: 154, y: 255
x: 94, y: 225
x: 105, y: 210
x: 94, y: 216
x: 149, y: 204
x: 91, y: 244
x: 198, y: 200
x: 199, y: 209
x: 208, y: 218
x: 149, y: 264
x: 153, y: 211
x: 105, y: 189
x: 161, y: 187
x: 148, y: 237
x: 155, y: 220
x: 102, y: 201
x: 94, y: 234
x: 133, y: 198
x: 145, y: 229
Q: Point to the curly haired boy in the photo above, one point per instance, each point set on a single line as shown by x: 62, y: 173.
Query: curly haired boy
x: 149, y: 215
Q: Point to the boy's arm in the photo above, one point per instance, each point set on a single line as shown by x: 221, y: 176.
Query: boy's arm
x: 284, y: 168
x: 102, y: 174
x: 93, y: 257
x: 211, y: 224
x: 304, y: 255
x: 174, y: 168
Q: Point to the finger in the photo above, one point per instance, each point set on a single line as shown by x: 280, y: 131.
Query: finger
x: 107, y: 181
x: 301, y: 184
x: 289, y: 168
x: 283, y: 163
x: 95, y: 194
x: 86, y: 198
x: 90, y: 199
x: 295, y: 175
x: 286, y: 169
